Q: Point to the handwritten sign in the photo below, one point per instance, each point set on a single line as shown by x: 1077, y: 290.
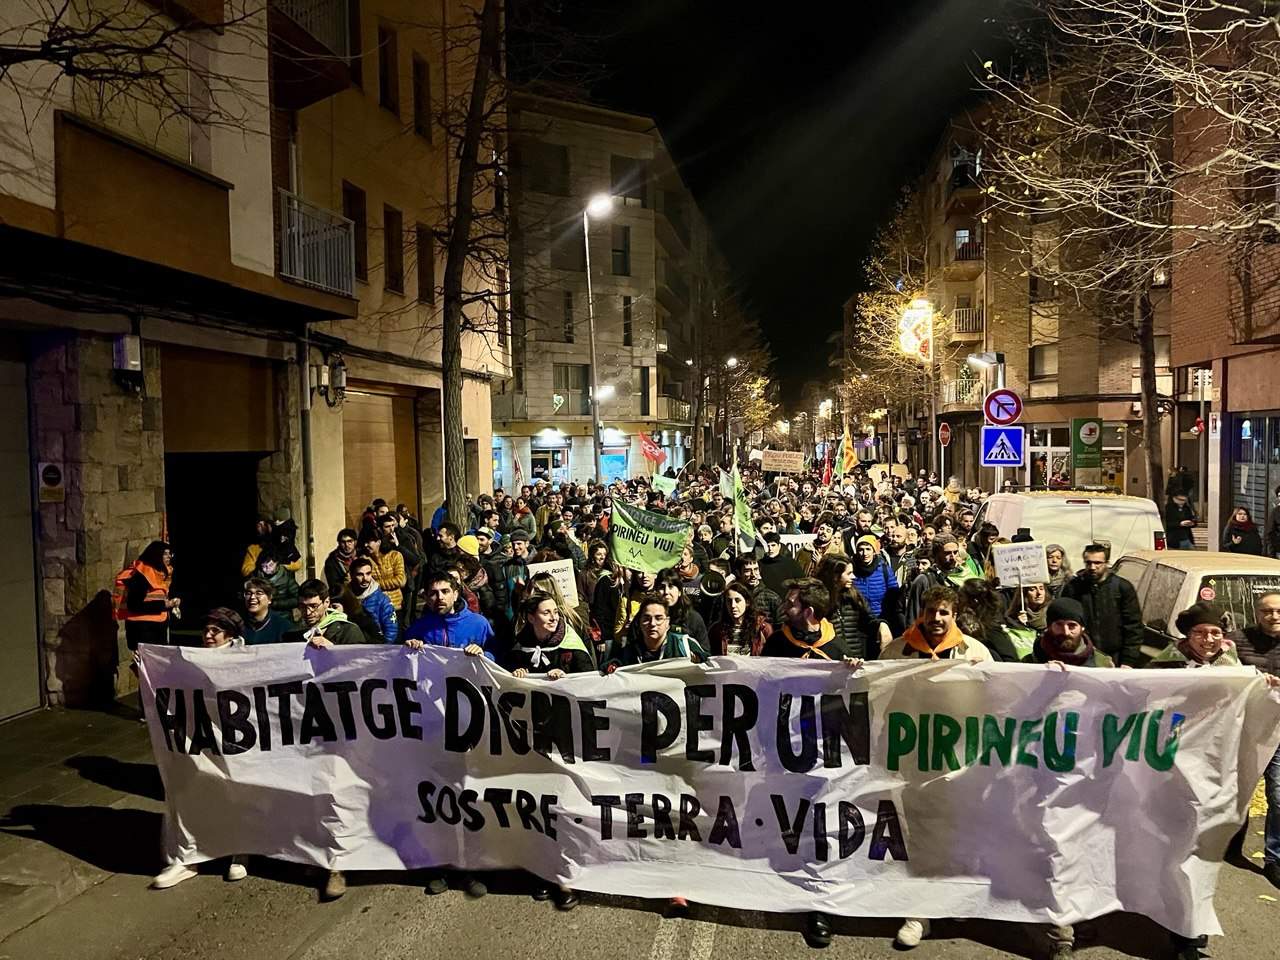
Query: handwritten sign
x: 782, y: 461
x: 562, y: 570
x: 1020, y: 563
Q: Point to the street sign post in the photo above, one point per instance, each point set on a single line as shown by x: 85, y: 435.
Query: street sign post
x: 944, y: 434
x: 1003, y: 446
x: 1002, y: 407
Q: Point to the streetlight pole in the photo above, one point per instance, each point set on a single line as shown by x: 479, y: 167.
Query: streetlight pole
x: 599, y: 205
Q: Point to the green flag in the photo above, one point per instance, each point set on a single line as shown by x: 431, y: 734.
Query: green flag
x: 643, y: 540
x: 742, y: 509
x: 664, y: 485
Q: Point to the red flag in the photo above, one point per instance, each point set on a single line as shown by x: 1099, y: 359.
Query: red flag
x: 650, y: 450
x: 826, y: 470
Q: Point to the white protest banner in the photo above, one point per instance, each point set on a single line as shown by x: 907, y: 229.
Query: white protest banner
x: 562, y: 570
x: 782, y: 461
x: 795, y: 542
x: 1014, y: 792
x: 1019, y: 564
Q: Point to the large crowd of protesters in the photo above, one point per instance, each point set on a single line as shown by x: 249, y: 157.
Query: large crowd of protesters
x: 895, y: 568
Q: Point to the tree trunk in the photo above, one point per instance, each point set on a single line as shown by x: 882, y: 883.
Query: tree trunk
x: 1150, y: 399
x: 458, y: 247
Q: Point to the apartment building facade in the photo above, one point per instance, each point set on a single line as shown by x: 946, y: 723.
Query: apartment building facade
x: 649, y: 279
x: 1226, y: 338
x: 1058, y: 354
x: 188, y: 334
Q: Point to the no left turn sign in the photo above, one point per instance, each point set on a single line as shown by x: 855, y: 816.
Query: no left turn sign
x: 1002, y: 407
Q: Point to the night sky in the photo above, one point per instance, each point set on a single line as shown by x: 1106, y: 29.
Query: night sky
x: 795, y: 126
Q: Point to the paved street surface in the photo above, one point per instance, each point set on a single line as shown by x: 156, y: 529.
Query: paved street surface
x: 78, y: 845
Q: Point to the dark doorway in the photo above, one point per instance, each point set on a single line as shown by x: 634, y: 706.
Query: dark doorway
x: 212, y: 503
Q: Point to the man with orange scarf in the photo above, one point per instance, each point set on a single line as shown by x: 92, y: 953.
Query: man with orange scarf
x: 934, y: 636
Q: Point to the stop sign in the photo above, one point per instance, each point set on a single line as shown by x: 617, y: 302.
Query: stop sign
x: 944, y: 433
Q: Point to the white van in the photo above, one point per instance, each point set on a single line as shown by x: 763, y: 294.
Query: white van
x: 1075, y: 518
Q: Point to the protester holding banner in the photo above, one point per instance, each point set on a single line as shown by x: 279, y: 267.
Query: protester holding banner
x: 445, y: 624
x: 652, y: 637
x: 935, y: 635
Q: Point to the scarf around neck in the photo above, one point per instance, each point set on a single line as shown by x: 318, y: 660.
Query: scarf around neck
x: 826, y: 633
x: 914, y: 638
x: 1077, y: 658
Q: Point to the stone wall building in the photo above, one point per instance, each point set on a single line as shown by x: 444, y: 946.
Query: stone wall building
x: 182, y: 299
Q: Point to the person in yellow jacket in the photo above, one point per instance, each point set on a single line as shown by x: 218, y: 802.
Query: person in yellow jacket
x: 388, y: 567
x: 267, y: 535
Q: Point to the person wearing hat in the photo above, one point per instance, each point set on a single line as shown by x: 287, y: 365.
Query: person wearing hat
x: 513, y: 574
x: 1203, y: 642
x: 1065, y: 640
x: 873, y: 576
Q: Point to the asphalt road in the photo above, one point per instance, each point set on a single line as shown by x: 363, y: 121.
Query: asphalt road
x: 278, y: 916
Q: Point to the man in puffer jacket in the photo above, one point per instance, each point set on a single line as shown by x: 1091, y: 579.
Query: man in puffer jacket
x: 371, y: 597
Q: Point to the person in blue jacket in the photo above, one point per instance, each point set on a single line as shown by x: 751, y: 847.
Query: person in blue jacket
x: 376, y: 603
x: 445, y: 625
x: 873, y: 576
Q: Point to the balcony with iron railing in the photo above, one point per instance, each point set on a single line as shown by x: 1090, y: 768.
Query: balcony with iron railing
x: 310, y: 50
x: 674, y: 409
x: 966, y: 323
x: 317, y: 246
x: 962, y: 393
x: 966, y: 261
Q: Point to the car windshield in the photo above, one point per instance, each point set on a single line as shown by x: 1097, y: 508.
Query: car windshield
x: 1235, y: 594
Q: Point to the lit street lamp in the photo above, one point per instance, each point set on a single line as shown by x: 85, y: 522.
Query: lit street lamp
x: 599, y: 206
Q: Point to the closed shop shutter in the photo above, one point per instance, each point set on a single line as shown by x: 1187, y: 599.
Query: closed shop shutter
x: 217, y: 402
x: 379, y: 451
x: 20, y: 678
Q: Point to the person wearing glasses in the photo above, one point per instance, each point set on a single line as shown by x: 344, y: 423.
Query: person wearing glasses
x: 652, y: 637
x: 261, y: 623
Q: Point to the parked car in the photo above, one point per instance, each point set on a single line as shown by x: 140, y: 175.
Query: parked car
x: 1076, y: 518
x: 1169, y: 581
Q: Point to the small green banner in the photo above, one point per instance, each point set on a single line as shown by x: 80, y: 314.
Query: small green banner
x: 1086, y: 444
x: 742, y: 509
x: 664, y: 485
x: 643, y: 540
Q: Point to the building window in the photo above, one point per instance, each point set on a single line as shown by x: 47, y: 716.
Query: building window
x: 567, y: 252
x: 628, y: 331
x: 570, y: 381
x: 1162, y: 344
x: 546, y: 166
x: 567, y: 316
x: 642, y: 388
x: 421, y: 98
x: 629, y: 178
x: 388, y: 70
x: 355, y: 45
x: 962, y: 237
x: 1042, y: 289
x: 393, y: 249
x: 354, y: 209
x: 1044, y: 361
x: 621, y: 250
x: 426, y: 265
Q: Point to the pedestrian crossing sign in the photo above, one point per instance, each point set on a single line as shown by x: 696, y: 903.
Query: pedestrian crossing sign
x: 1002, y: 446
